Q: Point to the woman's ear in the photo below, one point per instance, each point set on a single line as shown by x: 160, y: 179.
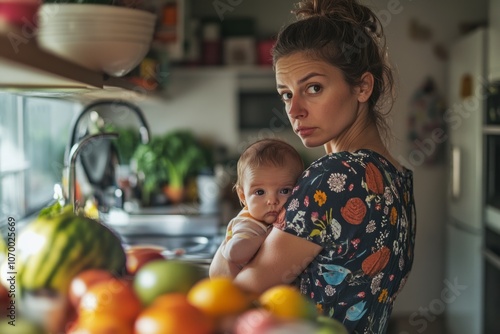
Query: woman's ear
x: 365, y: 87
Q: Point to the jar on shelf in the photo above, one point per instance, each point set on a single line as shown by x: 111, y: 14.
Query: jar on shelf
x: 211, y: 44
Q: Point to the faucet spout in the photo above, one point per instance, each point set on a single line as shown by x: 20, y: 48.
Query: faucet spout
x: 73, y: 155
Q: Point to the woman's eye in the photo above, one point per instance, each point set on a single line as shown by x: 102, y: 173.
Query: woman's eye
x: 314, y: 89
x: 259, y: 192
x: 286, y: 96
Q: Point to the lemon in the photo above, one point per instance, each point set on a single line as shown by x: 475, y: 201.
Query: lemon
x: 219, y: 297
x: 286, y: 302
x: 90, y: 210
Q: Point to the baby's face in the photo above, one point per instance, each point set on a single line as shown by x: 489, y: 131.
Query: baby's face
x: 265, y: 190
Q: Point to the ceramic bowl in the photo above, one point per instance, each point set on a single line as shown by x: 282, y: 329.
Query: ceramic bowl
x: 112, y: 57
x: 76, y: 28
x: 71, y: 11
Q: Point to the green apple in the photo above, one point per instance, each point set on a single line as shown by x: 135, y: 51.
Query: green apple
x: 19, y: 326
x: 329, y: 326
x: 165, y: 276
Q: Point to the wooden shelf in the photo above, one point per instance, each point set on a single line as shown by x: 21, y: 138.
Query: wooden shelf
x: 27, y: 68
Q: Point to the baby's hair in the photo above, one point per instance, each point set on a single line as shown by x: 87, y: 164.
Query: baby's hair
x: 269, y: 152
x: 349, y: 36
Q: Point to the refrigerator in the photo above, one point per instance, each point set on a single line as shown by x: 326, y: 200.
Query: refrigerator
x: 462, y: 293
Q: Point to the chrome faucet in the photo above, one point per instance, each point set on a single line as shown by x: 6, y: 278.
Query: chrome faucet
x: 73, y: 155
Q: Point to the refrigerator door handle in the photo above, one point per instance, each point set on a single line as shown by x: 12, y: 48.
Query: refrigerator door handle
x: 492, y: 258
x: 455, y: 172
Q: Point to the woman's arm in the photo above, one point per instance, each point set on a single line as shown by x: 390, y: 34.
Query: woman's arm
x: 241, y: 248
x: 222, y: 267
x: 280, y: 259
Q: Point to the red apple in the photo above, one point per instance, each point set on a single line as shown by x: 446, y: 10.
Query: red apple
x: 137, y: 256
x: 4, y: 301
x: 83, y: 281
x: 255, y: 321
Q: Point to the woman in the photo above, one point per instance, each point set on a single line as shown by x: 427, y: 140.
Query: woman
x: 347, y: 236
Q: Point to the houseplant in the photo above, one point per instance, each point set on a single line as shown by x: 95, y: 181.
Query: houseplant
x: 166, y: 162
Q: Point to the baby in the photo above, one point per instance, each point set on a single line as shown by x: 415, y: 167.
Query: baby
x: 267, y: 171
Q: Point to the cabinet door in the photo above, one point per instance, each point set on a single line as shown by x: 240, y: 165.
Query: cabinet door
x: 494, y: 40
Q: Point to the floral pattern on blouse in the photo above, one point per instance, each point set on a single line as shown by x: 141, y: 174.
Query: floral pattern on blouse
x: 361, y: 210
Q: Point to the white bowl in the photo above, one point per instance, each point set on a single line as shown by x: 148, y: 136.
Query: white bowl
x: 102, y: 20
x: 115, y: 58
x: 76, y: 28
x: 54, y: 10
x: 83, y: 24
x: 65, y: 38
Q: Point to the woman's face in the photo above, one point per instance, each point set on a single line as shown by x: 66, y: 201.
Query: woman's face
x: 321, y: 106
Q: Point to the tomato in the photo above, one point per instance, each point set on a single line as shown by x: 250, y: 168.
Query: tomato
x: 138, y: 256
x: 83, y: 281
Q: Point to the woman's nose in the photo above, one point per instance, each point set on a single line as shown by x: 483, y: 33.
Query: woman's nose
x: 295, y: 108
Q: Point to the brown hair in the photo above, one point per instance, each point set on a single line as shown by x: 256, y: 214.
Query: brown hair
x: 347, y: 35
x: 269, y: 152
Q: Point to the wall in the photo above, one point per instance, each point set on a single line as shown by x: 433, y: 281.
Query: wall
x: 414, y: 61
x: 199, y: 100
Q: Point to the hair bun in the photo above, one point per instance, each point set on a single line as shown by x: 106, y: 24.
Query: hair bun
x: 349, y: 11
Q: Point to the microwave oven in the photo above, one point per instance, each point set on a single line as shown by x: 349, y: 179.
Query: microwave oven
x: 259, y: 104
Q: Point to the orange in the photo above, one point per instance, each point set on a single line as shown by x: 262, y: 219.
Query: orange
x: 102, y: 324
x: 219, y: 297
x: 114, y: 298
x: 286, y: 302
x: 172, y: 313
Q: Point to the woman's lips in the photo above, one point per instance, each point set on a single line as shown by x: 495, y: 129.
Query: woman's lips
x: 304, y: 132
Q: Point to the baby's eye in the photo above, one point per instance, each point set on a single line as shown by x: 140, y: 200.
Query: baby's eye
x: 259, y: 192
x: 314, y: 89
x: 286, y: 191
x: 286, y: 96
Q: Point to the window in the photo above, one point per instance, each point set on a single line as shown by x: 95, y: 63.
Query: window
x: 34, y: 133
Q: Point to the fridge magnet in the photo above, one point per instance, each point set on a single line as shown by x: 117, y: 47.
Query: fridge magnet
x: 465, y: 86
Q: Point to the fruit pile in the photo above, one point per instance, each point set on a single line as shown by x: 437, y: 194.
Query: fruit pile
x: 96, y: 293
x: 167, y: 296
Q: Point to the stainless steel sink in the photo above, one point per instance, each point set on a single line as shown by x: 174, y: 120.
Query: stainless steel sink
x: 170, y: 221
x: 182, y: 231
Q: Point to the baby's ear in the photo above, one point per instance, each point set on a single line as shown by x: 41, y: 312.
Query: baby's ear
x: 365, y: 87
x: 241, y: 195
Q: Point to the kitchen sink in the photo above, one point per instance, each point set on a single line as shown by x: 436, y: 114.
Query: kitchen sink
x: 182, y: 231
x: 179, y: 220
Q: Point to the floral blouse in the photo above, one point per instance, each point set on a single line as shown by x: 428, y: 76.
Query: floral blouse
x: 360, y: 209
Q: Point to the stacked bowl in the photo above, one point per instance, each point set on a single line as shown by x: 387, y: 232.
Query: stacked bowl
x: 104, y: 38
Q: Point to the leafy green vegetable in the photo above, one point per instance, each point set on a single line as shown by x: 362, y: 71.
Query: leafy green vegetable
x: 126, y: 143
x: 171, y: 159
